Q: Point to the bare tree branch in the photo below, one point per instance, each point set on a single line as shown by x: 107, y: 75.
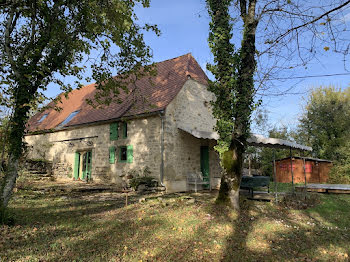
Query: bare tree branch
x: 278, y: 39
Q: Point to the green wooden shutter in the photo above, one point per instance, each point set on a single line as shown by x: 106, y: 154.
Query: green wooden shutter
x: 113, y: 131
x: 111, y: 155
x: 130, y: 154
x: 76, y: 165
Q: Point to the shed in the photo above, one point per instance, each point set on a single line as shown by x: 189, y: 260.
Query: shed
x: 316, y: 170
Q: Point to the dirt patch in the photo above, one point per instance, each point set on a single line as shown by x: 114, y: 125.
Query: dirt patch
x: 299, y: 201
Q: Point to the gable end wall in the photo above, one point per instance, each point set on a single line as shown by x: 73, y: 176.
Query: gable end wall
x: 190, y: 108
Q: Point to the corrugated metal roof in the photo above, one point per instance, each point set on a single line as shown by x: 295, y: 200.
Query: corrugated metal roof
x: 253, y: 140
x: 261, y: 141
x: 199, y: 133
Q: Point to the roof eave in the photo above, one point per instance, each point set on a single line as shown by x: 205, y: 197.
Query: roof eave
x: 94, y: 123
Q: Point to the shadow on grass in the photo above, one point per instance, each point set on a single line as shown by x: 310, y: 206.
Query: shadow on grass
x: 181, y: 231
x: 281, y: 234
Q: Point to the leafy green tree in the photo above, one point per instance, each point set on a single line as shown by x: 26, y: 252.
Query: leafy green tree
x: 340, y: 173
x: 282, y: 24
x: 44, y: 41
x: 325, y: 121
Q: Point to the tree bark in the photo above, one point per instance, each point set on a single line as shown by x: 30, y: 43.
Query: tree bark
x: 16, y: 134
x: 232, y: 161
x: 9, y: 182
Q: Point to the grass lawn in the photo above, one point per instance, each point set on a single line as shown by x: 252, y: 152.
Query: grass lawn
x: 72, y: 227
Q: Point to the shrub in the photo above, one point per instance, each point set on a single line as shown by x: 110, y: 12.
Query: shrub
x: 141, y: 178
x: 340, y: 173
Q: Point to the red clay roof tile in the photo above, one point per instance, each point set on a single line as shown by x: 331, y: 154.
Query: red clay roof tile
x: 171, y: 76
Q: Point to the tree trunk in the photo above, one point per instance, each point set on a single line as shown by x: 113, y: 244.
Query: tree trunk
x: 17, y: 126
x: 9, y: 181
x: 232, y: 161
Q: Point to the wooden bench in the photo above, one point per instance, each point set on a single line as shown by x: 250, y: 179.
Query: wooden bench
x: 251, y: 182
x: 197, y: 179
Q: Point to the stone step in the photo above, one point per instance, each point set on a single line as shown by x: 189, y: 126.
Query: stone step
x: 37, y: 175
x: 40, y: 178
x: 36, y: 172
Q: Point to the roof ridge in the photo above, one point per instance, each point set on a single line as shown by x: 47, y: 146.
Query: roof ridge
x: 187, y: 54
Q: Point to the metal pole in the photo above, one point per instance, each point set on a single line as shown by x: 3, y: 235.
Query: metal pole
x: 291, y: 168
x: 162, y: 119
x: 274, y: 173
x: 249, y: 161
x: 304, y: 174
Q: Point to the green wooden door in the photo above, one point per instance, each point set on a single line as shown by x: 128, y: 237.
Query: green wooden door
x: 87, y: 166
x: 76, y: 166
x: 205, y: 162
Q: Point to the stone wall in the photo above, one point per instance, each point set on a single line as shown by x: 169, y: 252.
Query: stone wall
x: 190, y: 108
x: 60, y: 147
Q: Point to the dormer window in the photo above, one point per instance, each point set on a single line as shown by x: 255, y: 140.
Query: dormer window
x: 69, y: 118
x: 42, y: 118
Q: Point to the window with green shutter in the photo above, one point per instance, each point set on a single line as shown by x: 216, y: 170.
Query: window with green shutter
x: 126, y: 154
x: 111, y: 155
x: 125, y: 129
x: 130, y: 154
x: 113, y: 131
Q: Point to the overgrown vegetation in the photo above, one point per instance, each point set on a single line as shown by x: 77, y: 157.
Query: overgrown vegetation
x: 142, y: 178
x: 58, y: 226
x: 340, y: 173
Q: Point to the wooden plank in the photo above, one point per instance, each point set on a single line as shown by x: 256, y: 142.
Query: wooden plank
x: 327, y: 188
x: 319, y: 190
x: 335, y: 191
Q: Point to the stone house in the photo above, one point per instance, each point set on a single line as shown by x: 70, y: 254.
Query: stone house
x: 166, y: 131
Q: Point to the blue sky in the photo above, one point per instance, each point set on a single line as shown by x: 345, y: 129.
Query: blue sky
x: 184, y: 26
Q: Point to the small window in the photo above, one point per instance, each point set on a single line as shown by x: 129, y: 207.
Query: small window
x: 69, y: 118
x: 125, y: 130
x: 123, y: 154
x: 42, y: 118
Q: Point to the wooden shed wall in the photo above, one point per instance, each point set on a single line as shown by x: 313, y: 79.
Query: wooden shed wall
x: 316, y: 172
